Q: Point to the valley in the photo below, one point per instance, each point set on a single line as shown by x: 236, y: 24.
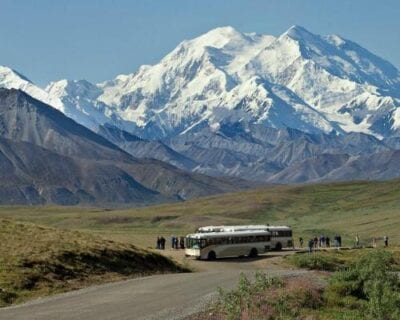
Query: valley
x: 370, y: 209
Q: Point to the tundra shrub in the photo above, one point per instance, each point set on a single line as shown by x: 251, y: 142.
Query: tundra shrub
x: 316, y: 261
x: 268, y: 298
x: 368, y: 285
x: 238, y: 301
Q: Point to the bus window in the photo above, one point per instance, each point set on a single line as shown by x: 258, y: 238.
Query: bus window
x: 195, y: 243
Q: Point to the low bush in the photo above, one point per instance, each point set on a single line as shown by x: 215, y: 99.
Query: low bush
x: 268, y: 298
x: 316, y: 261
x: 368, y: 285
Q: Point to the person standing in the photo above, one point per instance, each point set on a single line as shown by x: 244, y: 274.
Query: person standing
x: 158, y: 243
x: 336, y: 239
x: 173, y: 242
x: 311, y: 245
x: 357, y: 241
x: 386, y: 240
x: 162, y: 243
x: 182, y: 242
x: 301, y: 241
x: 327, y: 241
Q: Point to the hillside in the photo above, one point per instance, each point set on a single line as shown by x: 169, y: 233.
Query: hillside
x: 49, y: 158
x: 36, y: 261
x: 370, y: 209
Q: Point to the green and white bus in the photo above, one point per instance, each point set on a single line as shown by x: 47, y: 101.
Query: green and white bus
x: 223, y: 244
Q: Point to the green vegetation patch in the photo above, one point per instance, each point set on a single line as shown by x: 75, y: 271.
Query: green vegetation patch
x: 317, y: 261
x: 369, y: 285
x: 336, y: 260
x: 366, y: 287
x: 38, y: 261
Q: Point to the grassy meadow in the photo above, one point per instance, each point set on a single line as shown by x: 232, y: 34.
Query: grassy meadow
x: 370, y: 209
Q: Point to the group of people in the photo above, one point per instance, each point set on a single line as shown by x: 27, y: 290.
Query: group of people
x: 176, y: 243
x: 160, y: 243
x: 321, y: 242
x: 385, y: 241
x: 325, y: 242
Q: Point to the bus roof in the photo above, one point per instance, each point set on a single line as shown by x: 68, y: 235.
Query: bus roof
x: 241, y: 228
x: 228, y: 234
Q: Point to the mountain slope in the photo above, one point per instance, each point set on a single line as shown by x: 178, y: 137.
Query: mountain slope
x: 79, y: 102
x: 23, y: 118
x: 141, y: 148
x: 48, y: 158
x: 32, y: 175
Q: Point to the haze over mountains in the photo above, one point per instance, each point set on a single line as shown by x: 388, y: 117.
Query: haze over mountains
x: 294, y: 108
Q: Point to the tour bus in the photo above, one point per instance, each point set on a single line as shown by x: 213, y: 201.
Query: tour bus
x: 212, y: 245
x: 281, y: 236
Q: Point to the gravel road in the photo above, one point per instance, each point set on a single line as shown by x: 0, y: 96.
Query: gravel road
x: 170, y: 296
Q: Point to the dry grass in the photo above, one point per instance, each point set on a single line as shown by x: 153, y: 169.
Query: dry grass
x: 37, y: 261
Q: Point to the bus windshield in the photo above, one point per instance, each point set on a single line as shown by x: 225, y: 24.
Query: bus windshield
x: 194, y: 243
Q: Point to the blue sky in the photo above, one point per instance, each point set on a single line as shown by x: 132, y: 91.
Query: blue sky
x: 96, y: 40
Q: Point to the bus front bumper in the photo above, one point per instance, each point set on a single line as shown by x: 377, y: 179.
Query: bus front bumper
x: 193, y: 253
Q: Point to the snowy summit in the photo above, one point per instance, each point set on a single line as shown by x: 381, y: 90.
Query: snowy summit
x: 297, y: 80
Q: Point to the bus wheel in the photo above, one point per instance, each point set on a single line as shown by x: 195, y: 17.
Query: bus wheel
x: 253, y: 253
x: 278, y: 246
x: 212, y: 255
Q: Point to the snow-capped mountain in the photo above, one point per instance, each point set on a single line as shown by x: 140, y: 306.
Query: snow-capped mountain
x: 79, y: 99
x: 11, y: 79
x: 298, y: 107
x: 299, y: 80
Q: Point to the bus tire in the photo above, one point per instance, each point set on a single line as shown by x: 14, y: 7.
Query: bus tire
x: 253, y: 253
x: 278, y: 246
x: 211, y: 255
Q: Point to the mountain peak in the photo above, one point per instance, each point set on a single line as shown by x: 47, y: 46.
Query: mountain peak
x: 219, y: 37
x: 298, y: 33
x: 225, y: 30
x: 8, y: 74
x: 11, y: 79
